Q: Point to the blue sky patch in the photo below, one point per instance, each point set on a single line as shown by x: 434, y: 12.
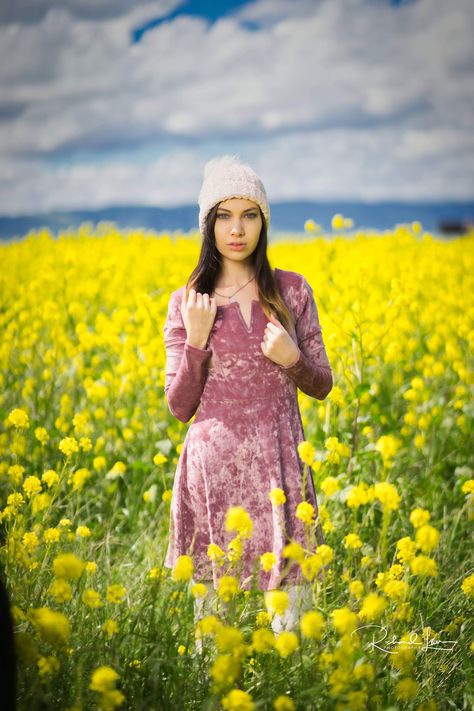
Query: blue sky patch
x: 207, y: 9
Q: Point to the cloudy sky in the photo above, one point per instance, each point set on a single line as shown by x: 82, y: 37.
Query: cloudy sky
x: 109, y: 102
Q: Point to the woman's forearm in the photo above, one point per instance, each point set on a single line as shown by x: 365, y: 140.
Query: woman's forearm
x: 184, y: 392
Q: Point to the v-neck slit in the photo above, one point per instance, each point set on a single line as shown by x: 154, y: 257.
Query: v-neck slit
x: 236, y: 303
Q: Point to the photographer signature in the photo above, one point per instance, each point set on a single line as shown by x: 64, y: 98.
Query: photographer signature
x: 438, y: 645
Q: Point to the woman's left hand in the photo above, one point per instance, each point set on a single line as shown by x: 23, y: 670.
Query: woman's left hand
x: 277, y: 344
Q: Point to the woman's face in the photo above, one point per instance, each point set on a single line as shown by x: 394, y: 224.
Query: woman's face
x: 238, y: 222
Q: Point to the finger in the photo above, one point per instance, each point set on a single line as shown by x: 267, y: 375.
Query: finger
x: 192, y: 297
x: 273, y: 328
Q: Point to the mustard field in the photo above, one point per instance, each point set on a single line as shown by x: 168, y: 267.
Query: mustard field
x: 88, y: 455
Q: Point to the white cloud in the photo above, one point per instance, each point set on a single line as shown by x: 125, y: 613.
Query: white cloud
x: 347, y: 98
x: 33, y: 11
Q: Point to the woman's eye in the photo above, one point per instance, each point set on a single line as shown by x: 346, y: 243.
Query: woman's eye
x: 249, y: 214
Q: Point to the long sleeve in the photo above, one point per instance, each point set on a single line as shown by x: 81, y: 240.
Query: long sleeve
x: 311, y: 371
x: 186, y: 365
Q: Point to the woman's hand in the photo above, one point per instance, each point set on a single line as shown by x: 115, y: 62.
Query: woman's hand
x: 198, y: 312
x: 278, y: 345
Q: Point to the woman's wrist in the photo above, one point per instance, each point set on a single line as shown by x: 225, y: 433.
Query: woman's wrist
x: 293, y: 361
x: 196, y: 343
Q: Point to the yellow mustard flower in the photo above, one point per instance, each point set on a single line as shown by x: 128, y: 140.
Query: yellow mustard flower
x: 276, y: 601
x: 237, y: 700
x: 286, y: 643
x: 41, y: 434
x: 356, y: 588
x: 15, y: 474
x: 69, y: 446
x: 423, y: 566
x: 229, y: 639
x: 329, y: 485
x: 359, y: 495
x: 103, y: 679
x: 234, y: 548
x: 294, y: 551
x: 224, y: 671
x: 427, y: 537
x: 262, y: 619
x: 277, y: 496
x: 215, y: 553
x: 91, y: 598
x: 306, y: 452
x: 199, y: 590
x: 50, y: 477
x: 284, y: 703
x: 387, y: 494
x: 183, y: 568
x: 305, y: 512
x: 372, y: 608
x: 52, y: 626
x: 325, y: 553
x: 344, y: 620
x: 116, y: 593
x: 31, y: 486
x: 310, y: 566
x: 468, y: 487
x: 352, y: 540
x: 110, y: 627
x: 419, y: 517
x: 268, y: 560
x: 68, y: 566
x: 312, y: 624
x: 337, y: 221
x: 227, y: 587
x: 406, y: 549
x: 61, y: 590
x: 48, y: 665
x: 388, y: 446
x: 83, y: 531
x: 263, y: 640
x: 18, y: 418
x: 237, y: 519
x: 467, y: 585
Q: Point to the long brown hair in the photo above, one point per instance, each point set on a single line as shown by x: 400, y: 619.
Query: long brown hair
x: 204, y: 275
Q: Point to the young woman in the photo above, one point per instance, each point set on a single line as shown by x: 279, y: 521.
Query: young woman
x: 240, y: 339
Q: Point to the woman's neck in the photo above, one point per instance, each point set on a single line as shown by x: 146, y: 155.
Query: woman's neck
x: 234, y: 275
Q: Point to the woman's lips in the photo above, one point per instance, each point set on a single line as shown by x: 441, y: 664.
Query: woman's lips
x: 237, y: 245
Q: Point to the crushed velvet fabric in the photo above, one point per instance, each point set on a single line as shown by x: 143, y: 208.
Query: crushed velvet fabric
x: 243, y: 440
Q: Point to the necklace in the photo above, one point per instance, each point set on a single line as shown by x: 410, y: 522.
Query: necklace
x: 235, y: 292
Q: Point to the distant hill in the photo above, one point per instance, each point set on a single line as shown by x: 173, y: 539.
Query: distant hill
x: 285, y: 217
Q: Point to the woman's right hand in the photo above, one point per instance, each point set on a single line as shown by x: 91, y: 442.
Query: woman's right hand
x: 198, y: 312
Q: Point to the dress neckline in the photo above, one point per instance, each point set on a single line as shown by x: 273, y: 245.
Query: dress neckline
x: 248, y: 328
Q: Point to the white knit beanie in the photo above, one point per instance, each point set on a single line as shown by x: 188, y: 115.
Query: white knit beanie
x: 226, y: 177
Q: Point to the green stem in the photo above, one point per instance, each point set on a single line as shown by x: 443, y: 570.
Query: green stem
x: 383, y: 535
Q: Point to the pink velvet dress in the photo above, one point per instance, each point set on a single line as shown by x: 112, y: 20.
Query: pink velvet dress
x: 243, y: 440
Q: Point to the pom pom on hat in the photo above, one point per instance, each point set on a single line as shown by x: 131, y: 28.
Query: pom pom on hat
x: 226, y: 177
x: 221, y: 163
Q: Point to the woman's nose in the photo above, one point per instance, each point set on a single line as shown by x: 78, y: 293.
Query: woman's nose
x: 236, y: 226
